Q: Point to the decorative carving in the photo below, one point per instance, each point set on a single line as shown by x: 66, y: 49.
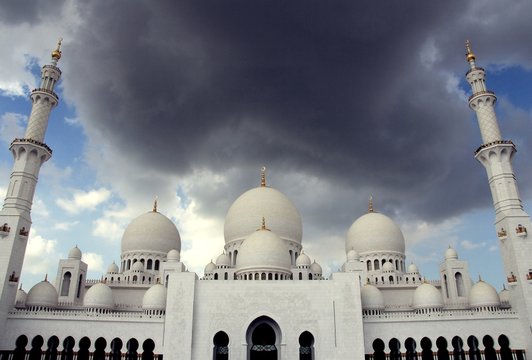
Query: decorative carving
x: 5, y: 228
x: 512, y: 278
x: 501, y: 233
x: 13, y: 277
x: 23, y: 232
x: 520, y: 229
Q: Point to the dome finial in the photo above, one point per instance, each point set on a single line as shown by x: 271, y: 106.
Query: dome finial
x: 263, y: 176
x: 20, y: 288
x: 263, y: 226
x: 155, y: 204
x: 46, y: 277
x: 370, y: 204
x: 56, y: 54
x: 469, y: 55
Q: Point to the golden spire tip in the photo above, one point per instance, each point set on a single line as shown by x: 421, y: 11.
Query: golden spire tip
x: 56, y: 54
x: 370, y: 204
x: 155, y: 204
x: 469, y: 55
x: 263, y: 176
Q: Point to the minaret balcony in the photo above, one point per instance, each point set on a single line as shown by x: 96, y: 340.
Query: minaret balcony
x: 47, y: 91
x: 502, y: 235
x: 496, y: 142
x: 4, y: 230
x: 520, y: 230
x: 31, y: 141
x: 483, y: 92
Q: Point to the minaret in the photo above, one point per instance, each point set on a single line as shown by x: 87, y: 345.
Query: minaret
x: 29, y: 154
x: 511, y: 221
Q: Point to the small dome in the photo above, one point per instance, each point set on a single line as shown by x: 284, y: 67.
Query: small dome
x: 173, y: 256
x: 388, y: 267
x: 74, y: 253
x: 42, y: 294
x: 483, y: 294
x: 223, y: 260
x: 99, y: 296
x: 113, y: 268
x: 352, y: 255
x: 303, y: 260
x: 412, y: 269
x: 263, y: 250
x: 427, y: 296
x: 375, y: 232
x: 504, y: 295
x: 209, y: 268
x: 137, y: 266
x: 151, y: 232
x: 20, y: 300
x: 451, y: 254
x: 371, y: 298
x: 154, y: 298
x: 315, y: 268
x: 283, y: 217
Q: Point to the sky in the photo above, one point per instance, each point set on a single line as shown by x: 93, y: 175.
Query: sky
x: 187, y: 100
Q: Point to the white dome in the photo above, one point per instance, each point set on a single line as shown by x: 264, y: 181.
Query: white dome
x: 245, y: 213
x: 303, y: 260
x: 451, y: 254
x: 504, y: 295
x: 173, y: 256
x: 263, y: 250
x: 352, y: 255
x: 113, y: 268
x: 315, y: 268
x: 427, y: 296
x: 209, y: 268
x: 388, y: 267
x: 483, y: 294
x: 20, y: 300
x: 42, y: 294
x: 375, y: 232
x: 137, y: 266
x: 155, y: 298
x: 151, y: 232
x: 223, y: 260
x: 74, y: 253
x: 99, y: 296
x: 412, y: 269
x: 371, y: 298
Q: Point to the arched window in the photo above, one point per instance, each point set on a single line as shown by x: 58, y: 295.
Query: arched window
x: 376, y: 265
x: 135, y: 278
x: 459, y: 284
x: 65, y: 284
x: 378, y: 349
x: 226, y: 276
x: 397, y: 265
x: 441, y: 344
x: 458, y: 348
x: 147, y: 349
x: 300, y: 276
x: 149, y: 264
x: 426, y: 352
x: 474, y: 352
x: 78, y: 291
x: 156, y: 267
x: 390, y: 279
x: 129, y: 264
x: 216, y: 276
x: 221, y: 349
x: 235, y: 254
x: 410, y: 345
x: 446, y: 285
x: 263, y: 339
x: 306, y: 346
x: 270, y: 276
x: 291, y: 256
x: 395, y: 349
x: 369, y: 265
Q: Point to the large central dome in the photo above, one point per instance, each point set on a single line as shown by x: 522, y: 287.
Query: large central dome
x: 374, y: 232
x: 243, y: 216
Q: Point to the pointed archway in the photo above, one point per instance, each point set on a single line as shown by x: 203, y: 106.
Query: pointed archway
x: 263, y: 338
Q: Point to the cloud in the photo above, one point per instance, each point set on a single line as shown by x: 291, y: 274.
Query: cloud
x: 94, y: 261
x: 470, y: 245
x: 12, y: 125
x: 40, y: 255
x: 65, y: 226
x: 84, y: 200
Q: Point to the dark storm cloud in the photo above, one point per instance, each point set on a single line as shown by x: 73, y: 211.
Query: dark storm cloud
x: 341, y: 91
x: 28, y: 11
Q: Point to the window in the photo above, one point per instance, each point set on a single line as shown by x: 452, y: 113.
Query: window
x: 65, y: 285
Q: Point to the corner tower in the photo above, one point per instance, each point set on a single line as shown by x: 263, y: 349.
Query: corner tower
x: 511, y: 220
x: 29, y: 153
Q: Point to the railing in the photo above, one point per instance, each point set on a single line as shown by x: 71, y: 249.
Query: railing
x: 46, y: 91
x: 462, y: 355
x: 52, y: 67
x: 72, y: 355
x: 483, y: 92
x: 473, y: 69
x: 496, y: 142
x: 32, y: 142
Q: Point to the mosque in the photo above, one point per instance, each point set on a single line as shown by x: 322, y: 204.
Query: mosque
x: 263, y: 297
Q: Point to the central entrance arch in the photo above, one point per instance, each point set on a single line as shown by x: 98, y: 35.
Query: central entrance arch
x: 263, y: 338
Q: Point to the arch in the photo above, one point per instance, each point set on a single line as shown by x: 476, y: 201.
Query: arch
x: 441, y: 344
x: 300, y: 276
x: 132, y: 346
x: 489, y: 350
x: 65, y: 284
x: 156, y: 265
x: 36, y: 345
x: 263, y: 339
x: 397, y: 265
x: 474, y: 352
x: 504, y: 343
x: 20, y: 348
x: 460, y: 291
x: 378, y: 349
x: 446, y: 286
x: 368, y: 264
x: 395, y: 349
x: 68, y: 346
x: 376, y: 265
x: 128, y: 264
x: 235, y: 255
x: 51, y: 352
x: 226, y: 276
x: 306, y: 346
x: 410, y: 346
x: 116, y: 349
x: 216, y: 276
x: 390, y: 279
x: 84, y: 345
x: 458, y: 348
x: 147, y: 349
x: 426, y: 346
x: 221, y: 348
x: 99, y: 349
x: 149, y: 264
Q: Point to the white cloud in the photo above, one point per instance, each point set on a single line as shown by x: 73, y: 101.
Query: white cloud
x: 470, y: 245
x: 84, y: 200
x: 65, y: 226
x: 41, y: 255
x: 39, y: 208
x: 94, y: 262
x: 108, y: 228
x: 12, y: 126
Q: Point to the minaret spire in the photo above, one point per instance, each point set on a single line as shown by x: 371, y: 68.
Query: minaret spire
x: 263, y: 176
x: 29, y: 153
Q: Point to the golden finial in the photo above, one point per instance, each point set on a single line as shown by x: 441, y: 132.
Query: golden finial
x: 263, y: 176
x: 469, y: 55
x: 370, y: 204
x: 46, y: 277
x: 20, y: 288
x: 479, y: 278
x: 56, y: 54
x: 263, y: 226
x: 155, y: 205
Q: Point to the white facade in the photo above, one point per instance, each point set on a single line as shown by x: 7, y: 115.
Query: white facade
x: 264, y: 298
